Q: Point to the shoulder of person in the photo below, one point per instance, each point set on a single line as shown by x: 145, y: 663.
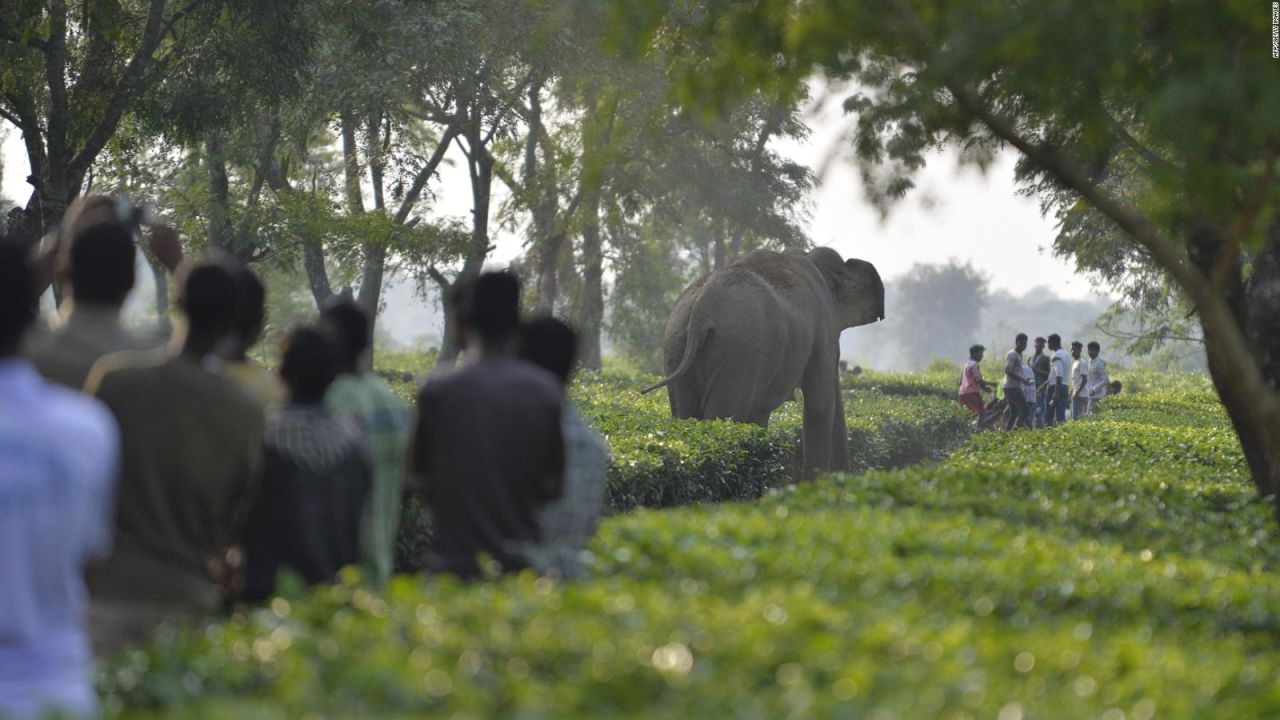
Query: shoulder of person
x: 122, y: 369
x: 80, y: 415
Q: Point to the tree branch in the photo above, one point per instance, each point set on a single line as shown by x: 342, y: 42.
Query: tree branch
x: 424, y: 175
x: 1145, y: 152
x: 1248, y: 216
x: 151, y: 35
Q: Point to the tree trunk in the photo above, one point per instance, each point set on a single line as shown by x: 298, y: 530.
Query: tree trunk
x: 219, y: 190
x: 591, y: 314
x: 375, y: 254
x: 480, y: 169
x: 1256, y: 309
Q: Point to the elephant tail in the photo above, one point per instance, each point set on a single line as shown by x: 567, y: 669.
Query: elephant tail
x: 696, y: 336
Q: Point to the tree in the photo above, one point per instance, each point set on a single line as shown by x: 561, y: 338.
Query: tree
x: 71, y: 72
x: 1184, y: 95
x: 939, y: 309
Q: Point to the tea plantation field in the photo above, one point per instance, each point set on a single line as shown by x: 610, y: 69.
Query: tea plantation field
x: 1118, y: 567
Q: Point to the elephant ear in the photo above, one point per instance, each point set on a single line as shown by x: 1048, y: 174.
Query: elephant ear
x: 859, y: 293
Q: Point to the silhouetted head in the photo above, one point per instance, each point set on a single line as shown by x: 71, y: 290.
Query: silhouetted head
x: 99, y: 264
x: 855, y: 285
x: 1020, y: 342
x: 1039, y: 345
x: 1076, y: 347
x: 208, y: 300
x: 348, y: 328
x: 17, y: 297
x: 1055, y: 341
x: 251, y: 310
x: 307, y: 365
x: 490, y: 307
x: 1094, y: 349
x: 551, y: 345
x: 975, y: 352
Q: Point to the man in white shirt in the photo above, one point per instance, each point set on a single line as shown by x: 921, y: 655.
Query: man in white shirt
x: 59, y: 451
x: 1079, y: 377
x: 1098, y: 380
x: 1059, y: 370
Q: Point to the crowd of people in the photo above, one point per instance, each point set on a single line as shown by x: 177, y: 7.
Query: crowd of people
x: 1041, y: 391
x: 148, y: 477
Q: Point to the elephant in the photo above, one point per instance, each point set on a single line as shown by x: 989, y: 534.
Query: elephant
x: 741, y: 339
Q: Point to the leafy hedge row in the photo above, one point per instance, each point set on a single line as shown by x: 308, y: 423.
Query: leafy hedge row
x: 1117, y: 567
x: 893, y: 421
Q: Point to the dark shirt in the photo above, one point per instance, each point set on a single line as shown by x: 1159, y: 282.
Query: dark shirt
x: 1040, y: 365
x: 488, y: 454
x: 315, y: 482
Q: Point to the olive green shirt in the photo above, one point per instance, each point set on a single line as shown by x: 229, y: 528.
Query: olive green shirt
x: 65, y: 354
x: 383, y: 420
x: 191, y: 454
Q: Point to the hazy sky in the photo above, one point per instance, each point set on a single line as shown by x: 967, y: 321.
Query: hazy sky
x: 953, y: 212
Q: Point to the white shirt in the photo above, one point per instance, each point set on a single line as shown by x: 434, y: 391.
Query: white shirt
x: 1079, y: 374
x: 59, y: 455
x: 1098, y: 379
x: 1059, y: 366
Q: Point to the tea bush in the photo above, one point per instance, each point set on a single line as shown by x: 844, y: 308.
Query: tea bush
x: 893, y: 420
x: 1117, y: 567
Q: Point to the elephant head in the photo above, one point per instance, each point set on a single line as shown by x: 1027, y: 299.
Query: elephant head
x: 855, y: 286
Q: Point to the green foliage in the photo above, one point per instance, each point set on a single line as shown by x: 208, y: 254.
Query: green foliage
x: 1117, y: 565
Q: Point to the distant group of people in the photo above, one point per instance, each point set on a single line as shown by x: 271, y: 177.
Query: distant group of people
x: 1042, y: 391
x: 145, y: 479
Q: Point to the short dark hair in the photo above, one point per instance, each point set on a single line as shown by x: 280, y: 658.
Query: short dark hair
x: 1077, y: 344
x: 494, y: 307
x: 251, y: 306
x: 17, y: 296
x: 348, y: 328
x: 1093, y: 345
x: 1019, y: 336
x: 975, y: 349
x: 307, y: 364
x: 1039, y: 340
x: 550, y: 344
x: 1055, y: 339
x: 102, y: 261
x: 208, y: 298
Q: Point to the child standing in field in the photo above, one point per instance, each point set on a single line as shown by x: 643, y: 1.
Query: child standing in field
x: 971, y: 383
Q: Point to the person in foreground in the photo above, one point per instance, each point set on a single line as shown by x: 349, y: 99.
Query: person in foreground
x: 315, y: 479
x: 1079, y: 381
x: 567, y: 524
x: 251, y: 318
x: 192, y: 451
x: 95, y: 259
x: 364, y: 400
x: 59, y: 452
x: 487, y: 450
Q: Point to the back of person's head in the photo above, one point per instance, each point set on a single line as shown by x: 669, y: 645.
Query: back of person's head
x: 208, y: 299
x: 1094, y: 346
x: 551, y: 345
x: 348, y: 327
x: 251, y: 307
x: 17, y: 296
x: 494, y: 308
x: 976, y: 350
x: 307, y: 364
x: 1055, y: 341
x: 100, y: 264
